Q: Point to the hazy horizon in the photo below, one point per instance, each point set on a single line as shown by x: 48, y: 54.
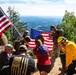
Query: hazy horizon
x: 40, y: 23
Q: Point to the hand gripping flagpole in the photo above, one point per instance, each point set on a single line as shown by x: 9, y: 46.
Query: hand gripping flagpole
x: 12, y: 23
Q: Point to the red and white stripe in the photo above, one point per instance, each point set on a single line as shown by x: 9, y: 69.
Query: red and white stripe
x: 4, y: 24
x: 48, y: 42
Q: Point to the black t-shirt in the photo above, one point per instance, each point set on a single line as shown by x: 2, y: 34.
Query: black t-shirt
x: 21, y: 60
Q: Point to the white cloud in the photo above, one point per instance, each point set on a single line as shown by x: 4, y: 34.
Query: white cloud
x: 70, y: 1
x: 40, y: 9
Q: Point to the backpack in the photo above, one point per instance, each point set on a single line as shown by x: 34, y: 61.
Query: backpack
x: 42, y: 50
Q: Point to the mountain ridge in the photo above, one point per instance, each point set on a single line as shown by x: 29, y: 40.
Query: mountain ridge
x: 41, y: 23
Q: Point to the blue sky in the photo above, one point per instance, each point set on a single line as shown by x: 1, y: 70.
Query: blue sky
x: 40, y: 7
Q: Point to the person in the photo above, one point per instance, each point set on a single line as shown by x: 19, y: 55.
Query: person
x: 25, y: 33
x: 17, y: 43
x: 55, y: 35
x: 21, y: 64
x: 5, y: 58
x: 69, y: 48
x: 3, y: 42
x: 42, y: 54
x: 56, y: 51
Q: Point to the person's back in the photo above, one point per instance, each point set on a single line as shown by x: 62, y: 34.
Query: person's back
x: 43, y: 58
x: 41, y: 51
x: 21, y: 64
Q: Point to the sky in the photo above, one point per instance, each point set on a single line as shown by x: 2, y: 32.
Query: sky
x: 39, y: 7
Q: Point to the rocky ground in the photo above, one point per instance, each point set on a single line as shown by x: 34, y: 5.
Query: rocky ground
x: 55, y: 69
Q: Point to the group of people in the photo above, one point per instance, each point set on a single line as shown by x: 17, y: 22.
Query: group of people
x: 15, y: 61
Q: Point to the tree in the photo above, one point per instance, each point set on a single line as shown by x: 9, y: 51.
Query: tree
x: 15, y: 19
x: 69, y: 25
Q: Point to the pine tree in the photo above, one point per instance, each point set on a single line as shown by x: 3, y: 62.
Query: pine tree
x: 14, y: 17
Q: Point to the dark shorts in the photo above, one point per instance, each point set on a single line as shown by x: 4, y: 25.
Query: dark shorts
x: 45, y: 68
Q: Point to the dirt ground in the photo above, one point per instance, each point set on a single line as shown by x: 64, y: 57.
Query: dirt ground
x: 55, y: 69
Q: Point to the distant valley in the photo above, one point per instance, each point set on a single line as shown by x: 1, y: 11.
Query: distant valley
x: 40, y: 23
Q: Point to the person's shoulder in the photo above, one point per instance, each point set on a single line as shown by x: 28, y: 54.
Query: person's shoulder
x: 2, y: 53
x: 26, y: 56
x: 30, y: 58
x: 13, y: 55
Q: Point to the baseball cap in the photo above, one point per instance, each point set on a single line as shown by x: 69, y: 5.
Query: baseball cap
x: 9, y: 47
x: 22, y: 48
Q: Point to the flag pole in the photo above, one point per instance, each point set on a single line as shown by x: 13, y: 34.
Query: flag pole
x: 12, y: 23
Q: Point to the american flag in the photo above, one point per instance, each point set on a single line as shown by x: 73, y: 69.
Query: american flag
x: 4, y: 22
x: 48, y: 42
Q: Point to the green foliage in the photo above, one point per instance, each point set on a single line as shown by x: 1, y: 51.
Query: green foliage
x: 69, y: 25
x: 12, y: 33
